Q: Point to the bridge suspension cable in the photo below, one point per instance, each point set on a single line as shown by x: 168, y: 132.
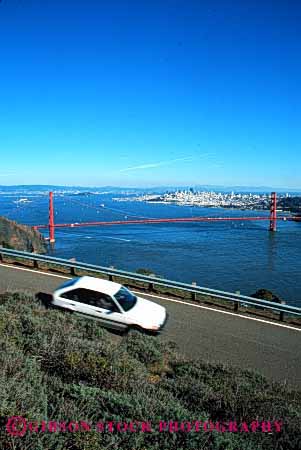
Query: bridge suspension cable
x: 100, y: 209
x: 272, y: 218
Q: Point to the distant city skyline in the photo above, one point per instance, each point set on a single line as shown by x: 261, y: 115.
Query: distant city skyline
x: 139, y: 94
x: 27, y: 188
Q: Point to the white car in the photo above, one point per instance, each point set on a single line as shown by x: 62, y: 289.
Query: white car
x: 111, y: 303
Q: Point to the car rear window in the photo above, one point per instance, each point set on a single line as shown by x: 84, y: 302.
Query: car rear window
x: 69, y: 283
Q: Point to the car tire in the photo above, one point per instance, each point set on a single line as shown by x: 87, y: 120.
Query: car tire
x: 135, y: 328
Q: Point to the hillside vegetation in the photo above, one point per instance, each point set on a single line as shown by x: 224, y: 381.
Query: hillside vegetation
x: 292, y: 204
x: 56, y: 366
x: 20, y: 237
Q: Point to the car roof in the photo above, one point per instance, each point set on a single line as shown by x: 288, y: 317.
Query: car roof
x: 97, y: 284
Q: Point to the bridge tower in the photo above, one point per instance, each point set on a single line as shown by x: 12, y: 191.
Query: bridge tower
x: 273, y: 211
x: 51, y: 219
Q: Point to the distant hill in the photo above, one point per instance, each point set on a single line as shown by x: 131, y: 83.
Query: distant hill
x: 20, y: 237
x: 292, y: 204
x: 140, y: 189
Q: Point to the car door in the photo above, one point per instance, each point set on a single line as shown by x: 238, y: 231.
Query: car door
x: 105, y: 309
x: 96, y: 305
x: 83, y: 299
x: 71, y: 300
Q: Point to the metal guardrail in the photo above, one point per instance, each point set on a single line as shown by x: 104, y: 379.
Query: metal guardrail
x: 237, y: 299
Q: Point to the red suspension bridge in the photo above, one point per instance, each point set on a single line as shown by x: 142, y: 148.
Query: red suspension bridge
x: 271, y: 218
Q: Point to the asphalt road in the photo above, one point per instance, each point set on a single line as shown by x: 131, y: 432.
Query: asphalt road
x: 215, y: 336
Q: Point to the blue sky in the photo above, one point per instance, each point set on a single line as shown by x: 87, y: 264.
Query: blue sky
x: 144, y: 93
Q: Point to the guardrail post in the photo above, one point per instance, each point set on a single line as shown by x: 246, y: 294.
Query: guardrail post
x: 72, y: 269
x: 281, y: 314
x: 1, y: 257
x: 151, y: 287
x: 193, y: 294
x: 236, y: 302
x: 35, y: 264
x: 111, y: 276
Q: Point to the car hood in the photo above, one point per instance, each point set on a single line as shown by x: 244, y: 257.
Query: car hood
x: 148, y: 311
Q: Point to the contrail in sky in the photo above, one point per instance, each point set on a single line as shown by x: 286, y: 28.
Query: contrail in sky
x: 163, y: 163
x: 6, y: 174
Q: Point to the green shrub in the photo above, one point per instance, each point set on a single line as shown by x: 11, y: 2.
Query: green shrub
x: 57, y: 366
x: 144, y: 348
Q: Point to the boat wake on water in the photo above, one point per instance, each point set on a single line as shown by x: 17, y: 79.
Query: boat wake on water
x: 117, y: 239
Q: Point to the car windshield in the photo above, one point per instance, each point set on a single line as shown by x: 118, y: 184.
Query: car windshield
x: 126, y: 299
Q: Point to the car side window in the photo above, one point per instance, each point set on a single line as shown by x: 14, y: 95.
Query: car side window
x: 106, y: 302
x: 92, y: 298
x: 74, y: 295
x: 80, y: 295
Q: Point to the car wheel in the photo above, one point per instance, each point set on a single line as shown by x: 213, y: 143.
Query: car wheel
x: 135, y: 328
